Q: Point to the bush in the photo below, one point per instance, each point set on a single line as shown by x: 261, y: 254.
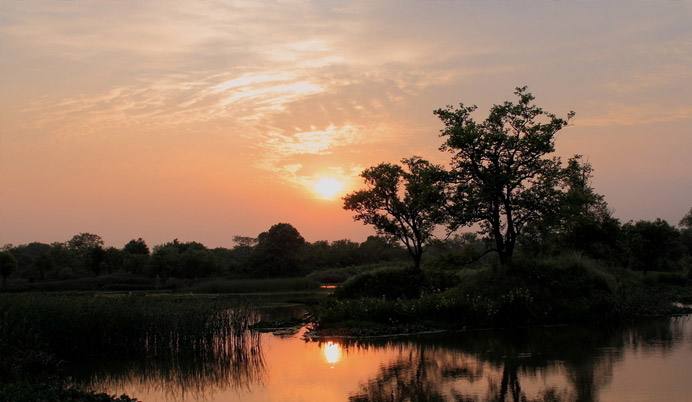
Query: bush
x: 438, y: 280
x: 54, y: 393
x: 388, y: 283
x: 340, y: 275
x: 254, y: 285
x: 556, y: 290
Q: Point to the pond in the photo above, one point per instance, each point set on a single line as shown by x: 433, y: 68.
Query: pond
x: 648, y: 361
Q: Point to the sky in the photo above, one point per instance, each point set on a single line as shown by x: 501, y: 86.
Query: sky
x: 205, y: 120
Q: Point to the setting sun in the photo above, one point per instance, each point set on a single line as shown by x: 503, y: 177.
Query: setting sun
x: 328, y: 188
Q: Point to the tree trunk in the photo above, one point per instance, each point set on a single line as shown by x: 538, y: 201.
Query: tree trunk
x: 417, y: 256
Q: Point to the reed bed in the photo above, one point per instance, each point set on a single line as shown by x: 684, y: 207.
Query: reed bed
x: 172, y: 342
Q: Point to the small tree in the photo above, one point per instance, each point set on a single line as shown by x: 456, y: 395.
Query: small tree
x: 7, y: 265
x: 502, y: 176
x: 404, y: 202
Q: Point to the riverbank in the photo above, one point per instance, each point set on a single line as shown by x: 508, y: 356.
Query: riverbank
x: 543, y: 292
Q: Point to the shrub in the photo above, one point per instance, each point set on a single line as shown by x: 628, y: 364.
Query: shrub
x: 671, y: 278
x: 54, y: 393
x: 254, y: 285
x: 340, y: 275
x: 439, y: 280
x: 388, y: 283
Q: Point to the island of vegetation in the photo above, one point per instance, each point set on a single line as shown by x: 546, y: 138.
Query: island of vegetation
x: 505, y: 234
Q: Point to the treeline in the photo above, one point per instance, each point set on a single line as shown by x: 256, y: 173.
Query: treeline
x: 280, y: 251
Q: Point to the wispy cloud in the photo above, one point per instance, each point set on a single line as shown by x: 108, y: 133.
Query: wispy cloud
x: 637, y: 115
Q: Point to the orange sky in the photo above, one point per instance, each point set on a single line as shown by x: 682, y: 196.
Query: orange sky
x: 206, y: 120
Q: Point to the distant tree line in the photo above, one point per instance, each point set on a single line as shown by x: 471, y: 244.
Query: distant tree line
x: 280, y: 251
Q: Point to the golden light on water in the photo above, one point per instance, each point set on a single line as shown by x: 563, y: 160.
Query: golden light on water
x: 332, y: 352
x: 328, y: 188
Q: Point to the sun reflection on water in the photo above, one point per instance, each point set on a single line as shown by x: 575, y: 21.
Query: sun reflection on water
x: 332, y: 352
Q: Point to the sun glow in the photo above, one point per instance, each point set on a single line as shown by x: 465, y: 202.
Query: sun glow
x: 332, y: 352
x: 328, y: 188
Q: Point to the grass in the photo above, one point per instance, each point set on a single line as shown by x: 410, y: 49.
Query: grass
x: 128, y: 282
x: 134, y: 325
x: 194, y: 339
x: 111, y: 282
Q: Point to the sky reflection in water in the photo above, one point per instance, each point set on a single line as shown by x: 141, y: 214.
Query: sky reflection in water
x: 646, y: 362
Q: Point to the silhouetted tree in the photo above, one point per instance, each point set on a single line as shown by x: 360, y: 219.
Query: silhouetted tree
x: 84, y: 241
x: 380, y: 248
x: 583, y: 221
x: 136, y: 246
x: 87, y: 251
x: 244, y: 241
x: 686, y: 234
x: 33, y: 260
x: 8, y: 264
x: 653, y: 246
x: 686, y: 221
x: 278, y: 251
x: 404, y: 202
x: 182, y: 260
x: 113, y: 259
x: 502, y: 176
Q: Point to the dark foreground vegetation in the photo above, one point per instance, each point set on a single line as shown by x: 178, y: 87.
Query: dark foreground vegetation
x: 43, y: 336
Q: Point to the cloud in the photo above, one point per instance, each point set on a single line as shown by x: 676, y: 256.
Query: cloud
x: 634, y: 115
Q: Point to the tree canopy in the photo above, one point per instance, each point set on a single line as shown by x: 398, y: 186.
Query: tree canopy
x: 502, y: 175
x: 402, y: 201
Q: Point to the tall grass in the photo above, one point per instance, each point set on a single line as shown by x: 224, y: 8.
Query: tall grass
x: 184, y: 341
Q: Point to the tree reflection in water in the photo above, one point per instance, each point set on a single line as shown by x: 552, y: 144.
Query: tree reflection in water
x: 449, y: 368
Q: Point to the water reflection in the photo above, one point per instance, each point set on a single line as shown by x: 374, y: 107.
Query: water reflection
x: 332, y: 352
x: 186, y: 372
x: 559, y: 364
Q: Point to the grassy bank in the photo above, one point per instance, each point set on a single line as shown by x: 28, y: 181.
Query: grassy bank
x: 567, y: 289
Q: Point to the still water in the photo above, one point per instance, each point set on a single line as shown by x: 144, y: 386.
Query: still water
x: 650, y: 361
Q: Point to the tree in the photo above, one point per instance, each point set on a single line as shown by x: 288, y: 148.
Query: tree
x: 87, y: 251
x: 244, y: 241
x: 113, y: 259
x: 278, y: 251
x: 7, y: 265
x: 686, y: 233
x: 84, y: 241
x: 502, y: 176
x: 686, y: 221
x: 136, y: 246
x: 404, y: 202
x: 583, y: 221
x: 653, y: 246
x: 379, y: 248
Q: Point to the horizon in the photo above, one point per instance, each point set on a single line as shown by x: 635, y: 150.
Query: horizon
x: 205, y: 121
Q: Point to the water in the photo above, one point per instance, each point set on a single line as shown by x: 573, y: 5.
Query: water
x: 649, y: 361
